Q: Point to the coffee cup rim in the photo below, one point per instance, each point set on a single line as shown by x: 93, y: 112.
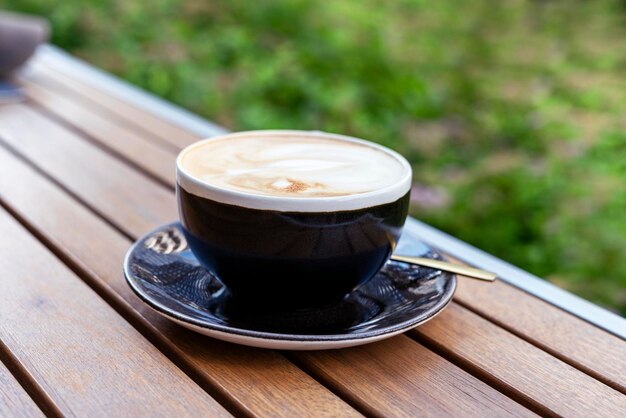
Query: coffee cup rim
x: 252, y: 200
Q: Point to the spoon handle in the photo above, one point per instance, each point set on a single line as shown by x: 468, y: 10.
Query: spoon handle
x: 445, y: 266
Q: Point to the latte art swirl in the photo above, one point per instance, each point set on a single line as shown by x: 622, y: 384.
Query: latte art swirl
x: 292, y: 166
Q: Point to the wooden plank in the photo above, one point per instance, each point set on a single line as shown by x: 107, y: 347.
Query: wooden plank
x: 260, y: 382
x: 154, y: 160
x: 529, y: 373
x: 576, y: 342
x: 237, y: 366
x: 52, y: 75
x: 87, y: 359
x: 112, y: 187
x: 399, y: 378
x: 14, y: 401
x: 565, y: 336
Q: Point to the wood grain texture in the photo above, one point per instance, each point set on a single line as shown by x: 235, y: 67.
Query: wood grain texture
x: 238, y: 370
x: 126, y: 114
x: 532, y: 374
x: 258, y: 382
x: 116, y: 190
x: 155, y: 160
x: 14, y: 401
x: 565, y: 336
x: 571, y: 339
x: 399, y: 378
x: 87, y: 359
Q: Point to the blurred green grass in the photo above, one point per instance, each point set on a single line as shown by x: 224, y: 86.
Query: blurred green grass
x: 512, y: 113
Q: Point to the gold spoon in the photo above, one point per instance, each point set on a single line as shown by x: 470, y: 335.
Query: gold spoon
x: 445, y: 266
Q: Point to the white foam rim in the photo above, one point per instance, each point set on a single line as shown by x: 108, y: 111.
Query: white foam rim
x: 294, y: 204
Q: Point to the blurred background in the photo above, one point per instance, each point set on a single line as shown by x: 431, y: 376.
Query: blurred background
x: 512, y: 113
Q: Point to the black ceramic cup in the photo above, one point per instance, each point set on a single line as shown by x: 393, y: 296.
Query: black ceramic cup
x: 291, y: 252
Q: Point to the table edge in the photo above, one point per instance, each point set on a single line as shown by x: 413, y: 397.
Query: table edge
x: 507, y: 272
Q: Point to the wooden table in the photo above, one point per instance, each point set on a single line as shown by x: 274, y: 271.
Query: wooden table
x: 87, y: 166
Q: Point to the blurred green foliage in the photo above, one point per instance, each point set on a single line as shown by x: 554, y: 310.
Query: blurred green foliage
x: 512, y: 113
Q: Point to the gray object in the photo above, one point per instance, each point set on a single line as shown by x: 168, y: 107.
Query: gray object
x: 19, y: 37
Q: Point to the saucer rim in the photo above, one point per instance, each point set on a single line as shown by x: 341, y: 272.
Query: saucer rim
x: 444, y: 301
x: 294, y: 345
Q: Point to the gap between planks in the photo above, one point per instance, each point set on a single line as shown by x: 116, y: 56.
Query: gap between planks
x: 30, y: 386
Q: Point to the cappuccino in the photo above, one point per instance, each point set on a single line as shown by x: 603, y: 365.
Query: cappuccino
x: 292, y: 165
x: 291, y: 218
x: 305, y: 171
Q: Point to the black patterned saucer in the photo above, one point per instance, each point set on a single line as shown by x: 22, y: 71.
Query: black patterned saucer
x: 163, y: 272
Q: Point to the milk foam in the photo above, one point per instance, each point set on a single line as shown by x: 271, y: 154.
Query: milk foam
x: 292, y: 165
